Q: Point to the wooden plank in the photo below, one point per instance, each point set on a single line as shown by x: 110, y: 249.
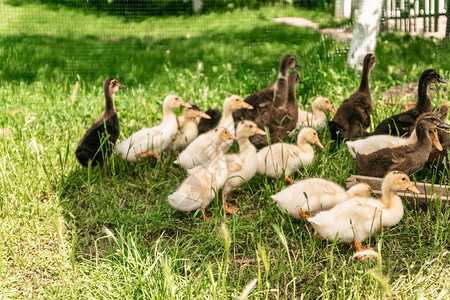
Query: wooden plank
x: 428, y: 192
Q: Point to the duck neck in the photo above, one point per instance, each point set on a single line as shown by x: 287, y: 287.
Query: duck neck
x: 393, y: 206
x: 110, y: 108
x: 168, y: 116
x: 303, y: 145
x: 245, y: 145
x: 423, y: 137
x: 218, y: 152
x: 318, y: 113
x: 227, y: 120
x: 292, y: 92
x: 189, y: 123
x: 424, y: 103
x: 365, y: 76
x: 282, y: 71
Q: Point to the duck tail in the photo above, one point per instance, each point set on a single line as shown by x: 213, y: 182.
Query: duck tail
x: 183, y: 202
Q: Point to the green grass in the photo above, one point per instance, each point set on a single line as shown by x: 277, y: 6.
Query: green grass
x: 68, y: 232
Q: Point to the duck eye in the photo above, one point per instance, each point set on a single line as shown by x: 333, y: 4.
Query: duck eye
x: 403, y: 178
x: 236, y: 99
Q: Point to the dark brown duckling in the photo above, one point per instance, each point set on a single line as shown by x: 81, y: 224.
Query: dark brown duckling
x: 407, y: 158
x: 403, y: 124
x: 280, y: 120
x: 353, y: 116
x: 436, y: 158
x: 92, y: 145
x: 206, y: 125
x: 276, y: 94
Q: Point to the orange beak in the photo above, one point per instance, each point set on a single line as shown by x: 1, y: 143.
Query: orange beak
x: 331, y: 109
x: 435, y: 140
x: 184, y: 104
x: 203, y: 115
x: 260, y: 131
x: 231, y: 137
x: 246, y: 105
x: 319, y: 145
x: 412, y: 188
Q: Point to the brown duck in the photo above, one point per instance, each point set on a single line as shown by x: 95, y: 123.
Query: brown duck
x: 266, y: 102
x: 437, y: 156
x: 407, y: 158
x: 353, y: 116
x: 96, y: 143
x: 403, y: 124
x: 280, y: 117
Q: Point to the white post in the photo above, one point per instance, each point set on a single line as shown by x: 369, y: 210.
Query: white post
x: 347, y: 8
x: 365, y: 32
x: 197, y: 5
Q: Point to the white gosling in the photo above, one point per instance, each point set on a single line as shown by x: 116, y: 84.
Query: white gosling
x: 151, y: 141
x: 241, y: 166
x: 317, y: 119
x: 199, y: 188
x: 189, y: 130
x: 358, y: 218
x: 202, y: 148
x: 308, y: 197
x: 279, y: 158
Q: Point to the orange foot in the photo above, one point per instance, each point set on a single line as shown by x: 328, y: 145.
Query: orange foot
x: 359, y: 247
x: 362, y: 258
x: 147, y: 154
x: 319, y: 237
x: 303, y: 214
x: 288, y: 180
x: 228, y: 209
x: 205, y: 218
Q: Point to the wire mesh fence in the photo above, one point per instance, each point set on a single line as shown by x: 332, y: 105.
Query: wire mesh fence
x: 137, y: 41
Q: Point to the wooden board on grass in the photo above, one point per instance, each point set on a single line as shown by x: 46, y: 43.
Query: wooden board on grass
x: 428, y: 192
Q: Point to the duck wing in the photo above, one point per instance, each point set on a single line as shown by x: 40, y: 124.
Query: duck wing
x: 399, y: 124
x: 374, y: 164
x: 206, y: 125
x: 260, y: 102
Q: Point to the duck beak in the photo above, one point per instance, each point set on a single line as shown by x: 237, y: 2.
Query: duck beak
x: 443, y: 125
x: 435, y: 140
x: 246, y: 105
x: 319, y: 145
x: 298, y: 65
x: 121, y: 86
x: 260, y: 131
x: 203, y: 115
x: 231, y: 137
x: 442, y: 80
x: 184, y: 104
x: 412, y: 188
x: 331, y: 109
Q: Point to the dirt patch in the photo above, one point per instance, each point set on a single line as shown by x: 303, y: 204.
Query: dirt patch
x: 346, y: 35
x: 335, y: 33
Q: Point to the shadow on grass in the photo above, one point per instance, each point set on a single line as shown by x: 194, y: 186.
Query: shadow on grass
x: 129, y: 10
x: 141, y: 60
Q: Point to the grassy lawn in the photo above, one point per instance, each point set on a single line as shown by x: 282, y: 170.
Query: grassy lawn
x: 69, y: 232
